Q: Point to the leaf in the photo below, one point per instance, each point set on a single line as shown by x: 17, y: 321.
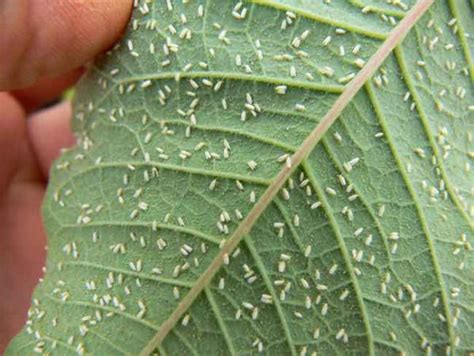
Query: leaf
x: 180, y: 223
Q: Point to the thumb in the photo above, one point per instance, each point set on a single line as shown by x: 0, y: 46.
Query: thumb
x: 47, y: 38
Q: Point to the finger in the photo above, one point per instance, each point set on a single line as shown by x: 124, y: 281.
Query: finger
x: 50, y: 131
x: 12, y: 137
x: 46, y: 38
x: 22, y: 255
x: 46, y: 90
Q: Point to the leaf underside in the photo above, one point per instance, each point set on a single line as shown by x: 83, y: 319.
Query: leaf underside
x: 183, y: 126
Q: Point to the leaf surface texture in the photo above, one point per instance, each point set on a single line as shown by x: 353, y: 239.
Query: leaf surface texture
x: 185, y: 124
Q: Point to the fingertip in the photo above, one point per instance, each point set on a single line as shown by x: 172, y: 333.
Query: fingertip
x: 12, y: 113
x: 50, y: 131
x: 48, y: 38
x: 46, y: 90
x: 12, y: 135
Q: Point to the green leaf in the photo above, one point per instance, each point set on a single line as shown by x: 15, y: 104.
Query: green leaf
x: 180, y: 224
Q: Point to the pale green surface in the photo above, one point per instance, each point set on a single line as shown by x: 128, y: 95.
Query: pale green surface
x: 428, y: 201
x: 69, y: 94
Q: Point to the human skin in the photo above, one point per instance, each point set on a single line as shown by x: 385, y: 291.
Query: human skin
x: 44, y: 46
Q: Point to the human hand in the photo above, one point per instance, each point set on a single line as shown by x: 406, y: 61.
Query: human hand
x: 43, y: 46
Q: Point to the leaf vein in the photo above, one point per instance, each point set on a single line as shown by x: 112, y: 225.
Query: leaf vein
x: 345, y: 255
x: 419, y: 210
x: 396, y: 35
